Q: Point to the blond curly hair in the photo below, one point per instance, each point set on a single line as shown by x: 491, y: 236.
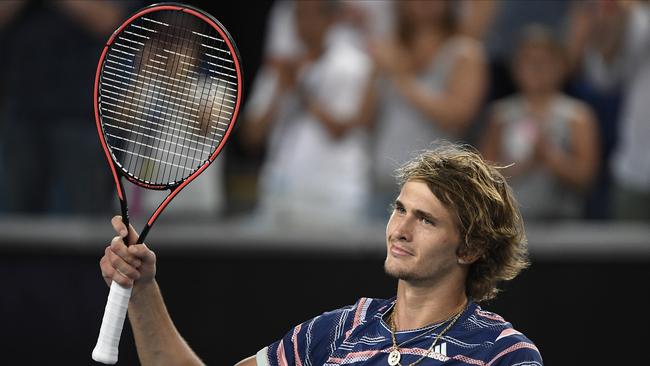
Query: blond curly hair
x: 488, y: 219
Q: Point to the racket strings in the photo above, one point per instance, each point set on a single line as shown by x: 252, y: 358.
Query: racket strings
x: 168, y: 92
x: 174, y: 56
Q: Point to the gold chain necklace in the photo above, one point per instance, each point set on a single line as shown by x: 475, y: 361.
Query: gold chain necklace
x: 394, y: 356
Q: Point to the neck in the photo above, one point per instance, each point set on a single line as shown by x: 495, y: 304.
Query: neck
x: 428, y: 38
x: 539, y: 97
x: 419, y: 306
x: 538, y: 102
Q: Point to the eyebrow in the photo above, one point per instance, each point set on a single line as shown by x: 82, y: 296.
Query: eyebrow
x: 418, y: 213
x: 425, y: 215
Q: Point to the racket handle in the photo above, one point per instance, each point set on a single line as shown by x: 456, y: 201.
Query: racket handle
x: 109, y: 334
x: 125, y: 215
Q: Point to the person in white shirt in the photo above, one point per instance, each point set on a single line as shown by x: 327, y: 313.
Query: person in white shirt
x: 306, y: 102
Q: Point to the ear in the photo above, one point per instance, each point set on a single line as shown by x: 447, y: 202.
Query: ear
x: 467, y: 257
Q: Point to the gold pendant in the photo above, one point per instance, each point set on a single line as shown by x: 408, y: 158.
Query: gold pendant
x: 394, y: 357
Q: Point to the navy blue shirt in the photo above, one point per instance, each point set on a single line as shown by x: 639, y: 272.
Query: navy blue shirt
x: 358, y: 335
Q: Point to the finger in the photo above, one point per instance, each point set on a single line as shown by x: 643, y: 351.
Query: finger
x: 118, y: 248
x: 123, y: 267
x: 142, y: 252
x: 109, y: 273
x: 133, y: 258
x: 118, y: 226
x: 105, y: 265
x: 122, y: 279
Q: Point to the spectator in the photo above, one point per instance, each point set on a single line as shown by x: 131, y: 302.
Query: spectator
x: 431, y: 82
x: 549, y: 138
x: 619, y: 54
x: 49, y: 136
x: 604, y: 102
x: 500, y: 22
x: 305, y: 101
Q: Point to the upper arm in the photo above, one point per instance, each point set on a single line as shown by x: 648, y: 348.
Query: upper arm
x: 515, y: 350
x: 490, y: 144
x: 519, y: 357
x: 368, y: 109
x: 584, y: 141
x: 468, y: 79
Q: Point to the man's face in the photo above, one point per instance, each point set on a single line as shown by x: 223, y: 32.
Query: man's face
x: 422, y: 237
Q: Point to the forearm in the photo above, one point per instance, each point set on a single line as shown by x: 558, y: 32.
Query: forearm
x: 569, y: 169
x: 100, y: 17
x: 477, y: 17
x: 257, y: 127
x: 609, y: 38
x: 157, y: 340
x: 336, y: 128
x: 450, y: 114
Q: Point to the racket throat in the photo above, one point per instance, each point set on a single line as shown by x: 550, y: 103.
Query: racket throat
x: 143, y: 234
x: 125, y: 212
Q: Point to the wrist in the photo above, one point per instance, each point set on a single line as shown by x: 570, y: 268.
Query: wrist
x: 142, y: 291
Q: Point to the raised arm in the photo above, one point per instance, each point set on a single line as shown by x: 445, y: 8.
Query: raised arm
x: 453, y: 108
x: 157, y: 340
x: 578, y: 166
x: 490, y: 147
x: 99, y: 17
x: 362, y: 117
x: 273, y: 81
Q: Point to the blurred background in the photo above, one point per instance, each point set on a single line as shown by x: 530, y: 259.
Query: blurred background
x: 289, y: 221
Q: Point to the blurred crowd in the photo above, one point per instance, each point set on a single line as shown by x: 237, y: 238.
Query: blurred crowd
x: 554, y: 92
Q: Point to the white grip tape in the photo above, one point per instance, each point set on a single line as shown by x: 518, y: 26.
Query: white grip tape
x: 109, y: 334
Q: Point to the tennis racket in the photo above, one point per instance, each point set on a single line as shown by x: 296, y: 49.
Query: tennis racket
x: 167, y: 94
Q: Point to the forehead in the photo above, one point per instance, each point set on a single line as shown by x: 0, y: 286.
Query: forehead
x: 415, y: 194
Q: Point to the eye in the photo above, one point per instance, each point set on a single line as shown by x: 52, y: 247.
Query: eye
x: 426, y: 221
x: 398, y: 208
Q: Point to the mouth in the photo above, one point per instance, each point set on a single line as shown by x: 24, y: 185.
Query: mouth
x: 399, y: 251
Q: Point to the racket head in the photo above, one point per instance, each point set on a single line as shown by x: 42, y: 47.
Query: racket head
x: 167, y: 93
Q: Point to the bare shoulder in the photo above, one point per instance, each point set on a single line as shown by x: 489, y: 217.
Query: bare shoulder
x: 582, y: 113
x: 250, y: 361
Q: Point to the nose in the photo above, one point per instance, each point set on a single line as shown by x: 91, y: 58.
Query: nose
x: 402, y: 229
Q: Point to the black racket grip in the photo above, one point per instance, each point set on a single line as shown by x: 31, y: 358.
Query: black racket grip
x: 125, y: 219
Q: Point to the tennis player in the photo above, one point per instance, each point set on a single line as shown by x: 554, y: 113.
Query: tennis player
x: 455, y: 232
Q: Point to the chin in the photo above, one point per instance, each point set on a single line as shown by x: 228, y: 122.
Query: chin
x: 406, y: 273
x: 398, y: 273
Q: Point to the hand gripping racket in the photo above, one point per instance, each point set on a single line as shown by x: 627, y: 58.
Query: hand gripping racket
x: 167, y: 93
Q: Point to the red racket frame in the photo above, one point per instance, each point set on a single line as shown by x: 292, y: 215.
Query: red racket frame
x: 118, y: 173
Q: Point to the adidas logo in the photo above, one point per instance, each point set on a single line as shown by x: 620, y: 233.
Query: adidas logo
x: 441, y: 349
x: 439, y: 352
